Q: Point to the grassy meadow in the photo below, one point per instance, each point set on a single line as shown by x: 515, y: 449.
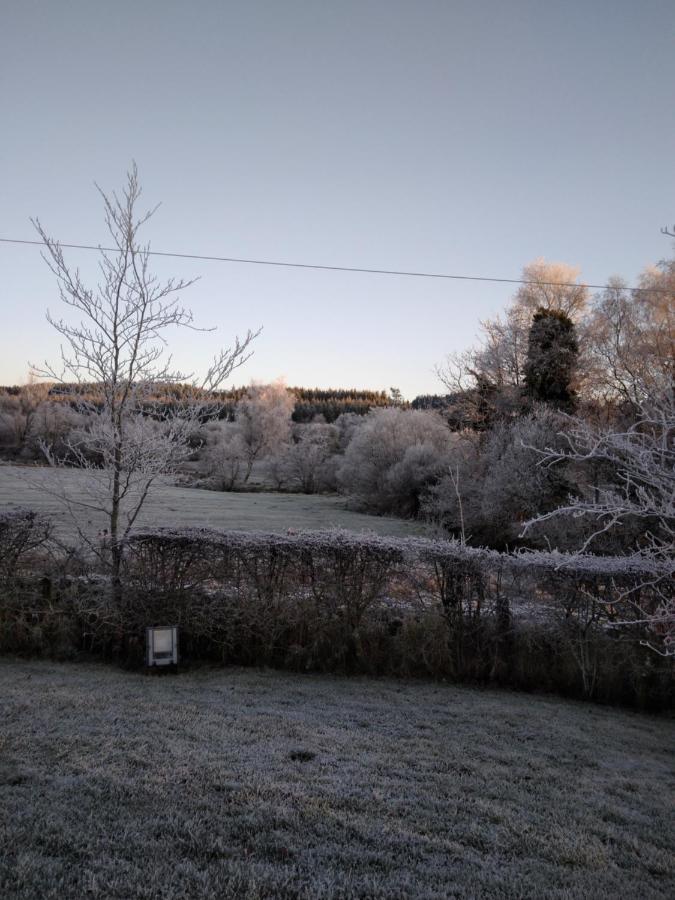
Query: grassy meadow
x: 170, y: 504
x: 256, y: 784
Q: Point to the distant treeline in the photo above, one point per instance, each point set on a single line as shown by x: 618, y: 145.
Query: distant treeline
x: 160, y: 400
x: 330, y: 403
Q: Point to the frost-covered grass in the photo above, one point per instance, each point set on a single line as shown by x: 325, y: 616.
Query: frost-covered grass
x: 248, y: 784
x: 169, y: 504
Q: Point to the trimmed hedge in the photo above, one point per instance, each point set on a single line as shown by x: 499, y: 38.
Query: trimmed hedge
x: 337, y: 601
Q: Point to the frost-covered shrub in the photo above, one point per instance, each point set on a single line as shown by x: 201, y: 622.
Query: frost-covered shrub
x: 309, y: 463
x: 392, y: 457
x: 491, y: 487
x: 51, y: 428
x: 347, y: 424
x: 346, y: 575
x: 225, y: 462
x: 261, y: 430
x: 18, y: 407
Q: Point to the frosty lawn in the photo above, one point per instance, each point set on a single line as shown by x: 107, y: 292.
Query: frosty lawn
x: 240, y: 783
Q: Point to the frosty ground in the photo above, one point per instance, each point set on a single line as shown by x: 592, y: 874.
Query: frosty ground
x: 244, y: 783
x: 169, y: 504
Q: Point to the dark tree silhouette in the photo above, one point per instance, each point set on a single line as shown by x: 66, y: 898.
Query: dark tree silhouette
x: 552, y: 354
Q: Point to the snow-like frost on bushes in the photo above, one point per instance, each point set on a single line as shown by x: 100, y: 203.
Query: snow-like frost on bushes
x: 359, y: 570
x: 406, y: 548
x: 393, y: 455
x: 334, y: 584
x: 338, y: 601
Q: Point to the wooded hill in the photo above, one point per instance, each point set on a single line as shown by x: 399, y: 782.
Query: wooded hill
x: 309, y: 402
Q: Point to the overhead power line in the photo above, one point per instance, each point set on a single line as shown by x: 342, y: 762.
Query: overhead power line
x: 326, y: 268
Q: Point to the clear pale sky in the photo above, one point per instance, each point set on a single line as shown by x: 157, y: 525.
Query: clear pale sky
x: 462, y: 137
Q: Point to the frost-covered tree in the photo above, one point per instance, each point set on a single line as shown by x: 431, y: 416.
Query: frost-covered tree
x: 308, y: 464
x: 54, y: 429
x: 640, y: 491
x: 552, y: 286
x: 225, y: 460
x: 629, y: 337
x: 392, y: 457
x: 119, y: 348
x: 263, y: 422
x: 490, y: 376
x: 347, y: 425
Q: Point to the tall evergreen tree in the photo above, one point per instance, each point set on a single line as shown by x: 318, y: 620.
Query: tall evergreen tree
x: 552, y: 353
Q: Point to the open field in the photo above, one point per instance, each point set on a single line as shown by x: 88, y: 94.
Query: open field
x: 241, y: 783
x: 180, y: 506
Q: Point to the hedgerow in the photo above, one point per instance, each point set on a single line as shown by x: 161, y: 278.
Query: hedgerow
x: 336, y: 601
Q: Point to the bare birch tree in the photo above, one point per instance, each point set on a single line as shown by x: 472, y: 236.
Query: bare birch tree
x: 118, y: 350
x: 630, y: 337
